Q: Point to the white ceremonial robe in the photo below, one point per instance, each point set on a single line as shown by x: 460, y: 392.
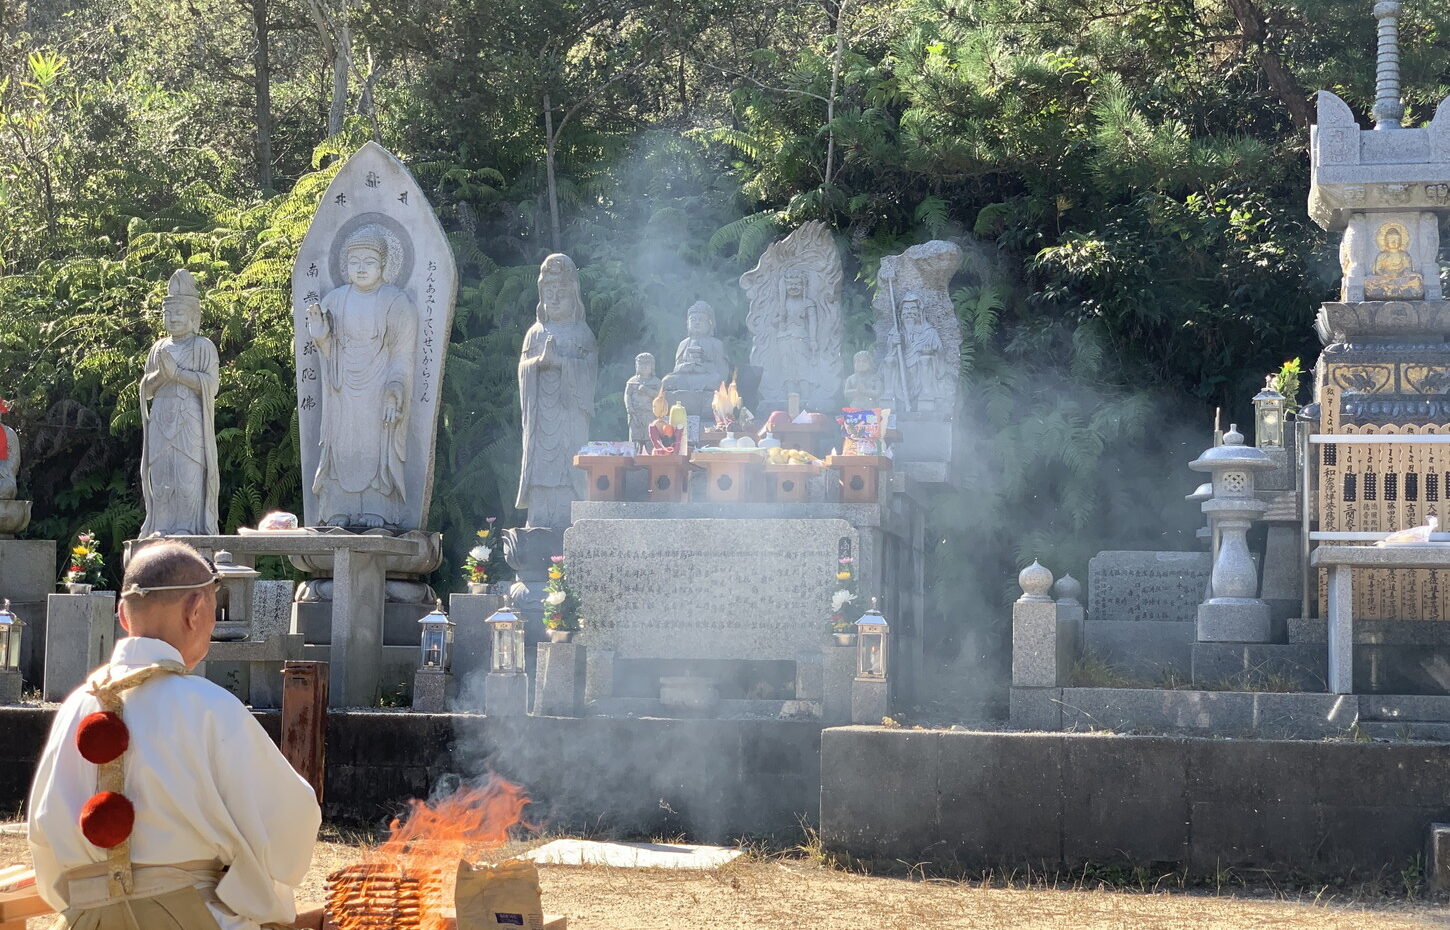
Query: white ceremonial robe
x: 206, y: 782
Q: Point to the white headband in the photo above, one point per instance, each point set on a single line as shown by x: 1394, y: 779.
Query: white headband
x: 139, y: 591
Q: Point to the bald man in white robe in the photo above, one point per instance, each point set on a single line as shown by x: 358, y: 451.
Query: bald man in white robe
x: 224, y: 827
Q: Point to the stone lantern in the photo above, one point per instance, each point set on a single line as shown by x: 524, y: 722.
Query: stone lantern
x: 233, y: 598
x: 433, y: 679
x: 1269, y: 411
x: 870, y: 691
x: 435, y: 649
x: 506, y: 689
x: 1233, y: 613
x: 872, y: 635
x: 10, y: 631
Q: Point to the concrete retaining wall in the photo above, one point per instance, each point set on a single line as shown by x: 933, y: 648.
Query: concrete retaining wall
x: 712, y: 780
x: 1048, y: 799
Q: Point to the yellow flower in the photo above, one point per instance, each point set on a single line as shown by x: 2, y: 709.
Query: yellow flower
x: 555, y: 574
x: 483, y: 534
x: 843, y: 576
x: 80, y: 551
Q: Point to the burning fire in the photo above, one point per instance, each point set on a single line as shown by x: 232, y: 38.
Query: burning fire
x: 406, y: 883
x: 726, y: 405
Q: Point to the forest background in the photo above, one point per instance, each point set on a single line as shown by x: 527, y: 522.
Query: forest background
x: 1129, y: 177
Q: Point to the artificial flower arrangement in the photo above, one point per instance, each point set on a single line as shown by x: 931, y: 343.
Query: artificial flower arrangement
x: 561, y: 608
x: 843, y: 614
x: 476, y: 566
x: 86, y: 562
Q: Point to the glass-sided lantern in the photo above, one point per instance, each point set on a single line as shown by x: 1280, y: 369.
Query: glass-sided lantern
x: 435, y: 651
x: 509, y: 648
x: 10, y: 627
x: 1269, y: 407
x: 872, y: 638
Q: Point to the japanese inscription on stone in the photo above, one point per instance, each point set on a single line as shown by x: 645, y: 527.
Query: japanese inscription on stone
x: 1147, y: 585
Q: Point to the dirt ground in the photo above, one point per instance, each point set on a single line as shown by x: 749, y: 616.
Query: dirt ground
x: 789, y: 893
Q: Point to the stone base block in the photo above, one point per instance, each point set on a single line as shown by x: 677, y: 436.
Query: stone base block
x: 1246, y: 622
x: 1044, y: 647
x: 430, y: 691
x: 559, y: 685
x: 1249, y: 665
x: 1437, y: 858
x: 80, y: 633
x: 870, y: 701
x: 1035, y: 708
x: 506, y: 694
x: 1146, y: 649
x: 838, y: 671
x: 9, y: 686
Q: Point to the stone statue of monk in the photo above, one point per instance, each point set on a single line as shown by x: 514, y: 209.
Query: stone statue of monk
x: 639, y: 395
x: 179, y: 478
x: 558, y: 368
x: 366, y: 335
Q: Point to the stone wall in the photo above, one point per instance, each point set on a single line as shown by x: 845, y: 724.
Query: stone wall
x: 711, y: 780
x: 988, y: 799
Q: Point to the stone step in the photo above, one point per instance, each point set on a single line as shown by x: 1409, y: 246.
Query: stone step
x: 1402, y: 708
x: 1406, y: 730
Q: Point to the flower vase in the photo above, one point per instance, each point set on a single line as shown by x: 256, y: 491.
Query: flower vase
x: 844, y: 639
x: 478, y: 587
x: 562, y: 636
x: 77, y: 587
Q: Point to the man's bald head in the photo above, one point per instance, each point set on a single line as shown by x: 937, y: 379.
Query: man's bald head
x: 169, y: 594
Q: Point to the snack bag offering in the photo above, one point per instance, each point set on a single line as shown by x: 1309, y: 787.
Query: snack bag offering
x: 865, y: 431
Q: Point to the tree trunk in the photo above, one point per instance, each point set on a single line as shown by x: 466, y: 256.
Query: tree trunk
x: 549, y: 142
x: 1286, y: 86
x: 835, y: 86
x: 262, y: 84
x: 341, y: 65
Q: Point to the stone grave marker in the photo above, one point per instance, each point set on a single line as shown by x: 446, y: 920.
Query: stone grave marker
x: 1147, y: 585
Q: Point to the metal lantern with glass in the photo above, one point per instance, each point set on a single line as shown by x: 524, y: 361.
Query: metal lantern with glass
x: 1269, y: 407
x: 872, y: 636
x: 10, y: 629
x: 509, y: 648
x: 436, y: 648
x: 233, y: 598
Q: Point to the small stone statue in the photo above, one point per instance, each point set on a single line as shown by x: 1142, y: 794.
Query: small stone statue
x: 639, y: 395
x: 558, y: 367
x: 864, y: 388
x: 365, y: 332
x: 921, y: 346
x: 179, y: 478
x: 700, y: 331
x: 1393, y: 275
x: 14, y: 514
x: 692, y: 383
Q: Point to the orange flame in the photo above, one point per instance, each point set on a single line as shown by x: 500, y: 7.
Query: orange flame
x: 422, y: 852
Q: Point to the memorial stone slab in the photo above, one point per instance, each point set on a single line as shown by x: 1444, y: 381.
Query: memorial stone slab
x: 80, y: 633
x: 705, y: 589
x: 1126, y: 585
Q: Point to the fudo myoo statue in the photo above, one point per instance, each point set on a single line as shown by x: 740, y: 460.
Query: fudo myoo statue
x: 365, y: 332
x: 558, y: 367
x: 372, y: 307
x: 639, y: 395
x: 179, y: 479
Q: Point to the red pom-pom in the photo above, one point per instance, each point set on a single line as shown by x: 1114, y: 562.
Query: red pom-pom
x: 101, y: 737
x: 107, y: 819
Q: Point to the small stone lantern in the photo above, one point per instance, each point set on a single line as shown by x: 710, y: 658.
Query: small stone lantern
x: 10, y: 631
x: 870, y: 691
x: 435, y: 650
x: 1269, y: 410
x: 233, y: 598
x: 1233, y: 613
x: 872, y: 633
x: 506, y: 687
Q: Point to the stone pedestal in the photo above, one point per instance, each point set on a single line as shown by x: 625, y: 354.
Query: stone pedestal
x: 1044, y: 643
x: 1234, y: 620
x: 10, y: 687
x: 79, y: 635
x: 559, y: 682
x: 506, y: 694
x: 838, y: 674
x: 27, y: 576
x: 430, y: 690
x: 870, y: 701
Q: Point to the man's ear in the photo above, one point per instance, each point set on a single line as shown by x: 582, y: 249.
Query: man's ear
x: 121, y: 614
x: 195, y: 610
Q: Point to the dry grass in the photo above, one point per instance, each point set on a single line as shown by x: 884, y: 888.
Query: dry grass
x: 766, y: 892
